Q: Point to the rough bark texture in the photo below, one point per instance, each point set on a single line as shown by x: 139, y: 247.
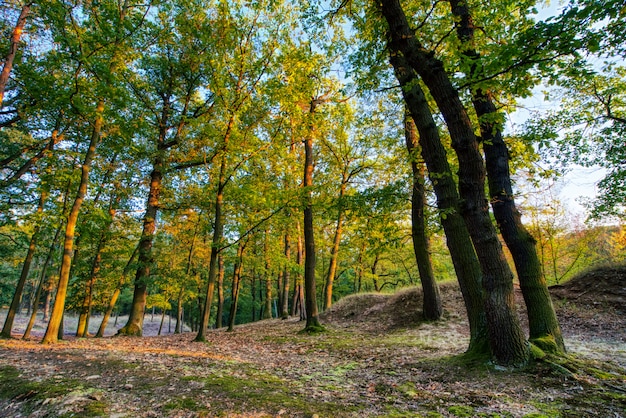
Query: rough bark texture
x: 432, y: 309
x: 507, y: 340
x: 134, y: 325
x: 310, y: 292
x: 543, y: 323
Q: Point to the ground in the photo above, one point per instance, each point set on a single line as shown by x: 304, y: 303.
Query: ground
x: 376, y: 359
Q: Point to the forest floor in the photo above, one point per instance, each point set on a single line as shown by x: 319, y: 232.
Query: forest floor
x: 376, y: 359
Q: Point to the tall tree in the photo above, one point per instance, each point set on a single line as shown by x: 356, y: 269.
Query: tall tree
x: 506, y: 338
x: 432, y: 308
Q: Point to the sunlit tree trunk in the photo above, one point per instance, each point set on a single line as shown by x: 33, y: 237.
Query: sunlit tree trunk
x: 54, y: 326
x: 432, y: 308
x: 10, y: 57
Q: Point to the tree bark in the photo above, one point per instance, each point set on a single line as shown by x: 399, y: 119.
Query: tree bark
x: 310, y: 290
x: 334, y: 252
x: 267, y: 311
x: 432, y: 309
x: 10, y: 58
x: 56, y: 318
x: 236, y: 285
x: 506, y: 338
x: 220, y: 292
x: 134, y: 325
x: 543, y: 324
x: 286, y: 278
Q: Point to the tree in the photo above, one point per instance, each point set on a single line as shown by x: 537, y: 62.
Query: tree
x: 432, y: 308
x: 505, y: 335
x: 10, y: 57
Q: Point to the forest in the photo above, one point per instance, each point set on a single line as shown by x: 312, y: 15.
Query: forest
x: 219, y: 163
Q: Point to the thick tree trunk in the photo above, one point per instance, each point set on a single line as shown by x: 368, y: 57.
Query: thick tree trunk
x: 134, y: 325
x: 310, y: 289
x: 56, y: 318
x: 506, y: 338
x: 432, y: 308
x: 10, y: 58
x: 543, y: 323
x: 19, y: 289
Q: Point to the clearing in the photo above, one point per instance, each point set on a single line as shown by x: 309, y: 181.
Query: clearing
x: 377, y: 359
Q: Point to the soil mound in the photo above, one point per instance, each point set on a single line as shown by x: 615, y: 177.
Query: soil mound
x: 384, y: 312
x: 603, y: 286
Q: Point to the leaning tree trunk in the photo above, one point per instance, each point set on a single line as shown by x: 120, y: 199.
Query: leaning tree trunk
x: 506, y: 338
x: 56, y: 318
x: 432, y: 308
x: 542, y: 321
x: 116, y: 294
x: 10, y: 57
x: 19, y: 289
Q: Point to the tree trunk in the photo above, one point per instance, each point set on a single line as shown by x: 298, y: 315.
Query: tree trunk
x: 10, y: 57
x: 54, y: 326
x: 312, y: 320
x: 432, y: 308
x: 236, y: 285
x: 220, y: 292
x: 543, y: 323
x: 267, y: 311
x: 506, y: 338
x: 334, y: 253
x: 218, y: 231
x: 134, y: 325
x: 116, y: 294
x: 286, y: 278
x: 19, y: 289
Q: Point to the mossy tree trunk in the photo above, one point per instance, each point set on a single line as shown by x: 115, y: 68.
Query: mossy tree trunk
x: 507, y: 341
x: 543, y: 324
